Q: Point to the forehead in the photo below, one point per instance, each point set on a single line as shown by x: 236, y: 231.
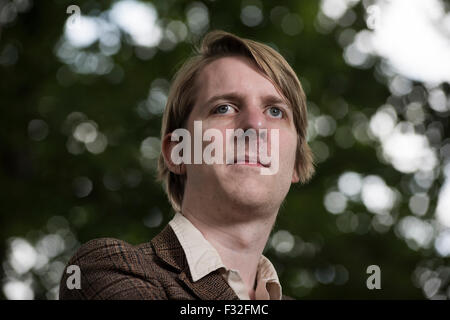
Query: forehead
x: 233, y: 74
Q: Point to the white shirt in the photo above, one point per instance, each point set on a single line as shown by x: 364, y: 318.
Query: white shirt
x: 203, y: 258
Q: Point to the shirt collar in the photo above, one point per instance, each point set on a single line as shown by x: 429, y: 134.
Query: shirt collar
x: 203, y: 258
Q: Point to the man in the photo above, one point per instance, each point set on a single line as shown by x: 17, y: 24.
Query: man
x: 224, y: 212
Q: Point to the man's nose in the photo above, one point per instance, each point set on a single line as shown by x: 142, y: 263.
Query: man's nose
x: 252, y: 117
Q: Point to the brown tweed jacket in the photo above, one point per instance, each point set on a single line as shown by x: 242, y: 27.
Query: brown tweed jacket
x: 157, y: 270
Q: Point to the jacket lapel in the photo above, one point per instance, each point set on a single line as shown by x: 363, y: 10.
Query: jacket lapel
x: 213, y: 286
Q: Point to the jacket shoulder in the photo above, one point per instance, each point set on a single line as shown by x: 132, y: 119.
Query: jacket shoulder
x: 111, y: 250
x: 112, y: 269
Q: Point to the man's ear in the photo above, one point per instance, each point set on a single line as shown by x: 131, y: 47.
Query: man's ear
x: 295, y: 175
x: 166, y: 148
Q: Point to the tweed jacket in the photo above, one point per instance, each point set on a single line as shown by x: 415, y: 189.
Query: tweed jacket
x: 156, y: 270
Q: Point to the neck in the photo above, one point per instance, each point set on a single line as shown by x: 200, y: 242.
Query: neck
x: 238, y: 233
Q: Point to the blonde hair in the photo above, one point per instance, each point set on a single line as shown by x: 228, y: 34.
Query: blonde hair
x: 182, y: 96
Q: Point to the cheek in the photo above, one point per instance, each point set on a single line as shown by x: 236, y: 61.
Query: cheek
x: 288, y: 147
x: 199, y: 174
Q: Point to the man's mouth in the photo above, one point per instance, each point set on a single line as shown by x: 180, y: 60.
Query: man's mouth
x: 250, y: 162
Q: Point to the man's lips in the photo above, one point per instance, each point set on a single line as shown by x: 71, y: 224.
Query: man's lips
x: 247, y: 162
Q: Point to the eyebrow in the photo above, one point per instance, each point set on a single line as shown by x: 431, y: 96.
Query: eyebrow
x: 235, y: 96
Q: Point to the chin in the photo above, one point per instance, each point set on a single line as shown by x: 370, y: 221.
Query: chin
x: 250, y: 194
x: 248, y: 188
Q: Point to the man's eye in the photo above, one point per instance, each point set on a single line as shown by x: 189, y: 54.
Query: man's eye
x: 223, y: 109
x: 276, y: 112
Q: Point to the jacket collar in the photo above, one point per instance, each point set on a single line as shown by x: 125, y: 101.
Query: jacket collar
x: 213, y: 286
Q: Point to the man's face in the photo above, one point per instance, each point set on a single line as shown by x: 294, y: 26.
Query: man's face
x: 252, y: 102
